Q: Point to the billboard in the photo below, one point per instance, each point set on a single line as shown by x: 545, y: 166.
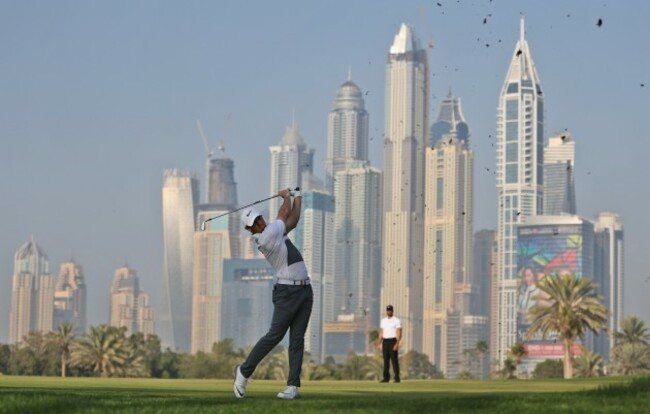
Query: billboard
x: 543, y: 250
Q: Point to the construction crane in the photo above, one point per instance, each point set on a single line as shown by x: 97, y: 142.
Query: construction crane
x: 208, y: 153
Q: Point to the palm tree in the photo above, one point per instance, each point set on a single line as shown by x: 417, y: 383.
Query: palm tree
x: 629, y: 360
x: 61, y: 340
x: 569, y: 306
x: 517, y: 354
x: 633, y: 332
x: 103, y: 349
x: 482, y: 348
x: 589, y: 364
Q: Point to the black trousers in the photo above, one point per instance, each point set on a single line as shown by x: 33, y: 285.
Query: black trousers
x: 390, y: 355
x: 291, y: 310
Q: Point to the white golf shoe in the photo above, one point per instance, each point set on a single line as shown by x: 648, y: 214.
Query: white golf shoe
x: 289, y: 393
x: 239, y: 386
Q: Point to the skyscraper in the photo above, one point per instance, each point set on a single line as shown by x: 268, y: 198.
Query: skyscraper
x: 358, y: 226
x: 211, y: 248
x: 70, y: 297
x: 129, y: 305
x: 559, y: 173
x: 32, y: 293
x: 520, y: 162
x: 486, y: 293
x: 292, y: 163
x: 407, y: 91
x: 449, y: 188
x: 347, y: 132
x: 609, y: 272
x: 180, y: 198
x: 314, y: 237
x: 222, y: 195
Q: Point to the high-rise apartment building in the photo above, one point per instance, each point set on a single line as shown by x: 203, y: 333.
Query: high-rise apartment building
x: 356, y: 286
x: 292, y: 163
x: 448, y: 233
x: 32, y: 293
x: 70, y: 297
x: 406, y: 129
x: 211, y: 248
x: 347, y: 132
x: 520, y: 163
x: 559, y: 175
x: 129, y: 306
x: 609, y: 272
x: 314, y: 238
x: 180, y: 196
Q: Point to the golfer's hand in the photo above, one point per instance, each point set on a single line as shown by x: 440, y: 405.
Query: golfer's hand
x: 284, y: 193
x: 395, y: 347
x: 378, y: 346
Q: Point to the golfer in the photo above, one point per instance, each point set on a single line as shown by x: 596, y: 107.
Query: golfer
x: 292, y: 294
x: 390, y: 335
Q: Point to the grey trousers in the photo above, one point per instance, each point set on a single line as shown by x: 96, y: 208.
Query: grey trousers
x: 291, y: 310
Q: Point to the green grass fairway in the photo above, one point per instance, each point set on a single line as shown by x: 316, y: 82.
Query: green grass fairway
x: 117, y: 395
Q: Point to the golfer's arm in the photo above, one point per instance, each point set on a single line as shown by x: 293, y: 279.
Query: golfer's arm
x: 285, y: 210
x: 294, y: 214
x: 380, y: 337
x: 399, y: 335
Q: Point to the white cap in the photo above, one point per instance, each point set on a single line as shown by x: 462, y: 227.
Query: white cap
x: 249, y: 215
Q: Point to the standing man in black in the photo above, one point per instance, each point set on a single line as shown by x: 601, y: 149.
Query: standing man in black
x: 390, y: 335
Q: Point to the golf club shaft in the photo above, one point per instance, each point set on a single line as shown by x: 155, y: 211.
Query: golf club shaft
x: 237, y: 209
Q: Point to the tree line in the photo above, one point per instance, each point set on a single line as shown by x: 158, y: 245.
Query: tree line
x: 107, y: 351
x: 569, y: 306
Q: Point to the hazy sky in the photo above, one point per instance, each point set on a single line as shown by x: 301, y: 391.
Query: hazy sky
x: 97, y: 98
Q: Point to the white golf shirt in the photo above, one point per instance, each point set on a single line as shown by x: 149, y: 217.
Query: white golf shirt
x: 389, y: 327
x: 280, y: 252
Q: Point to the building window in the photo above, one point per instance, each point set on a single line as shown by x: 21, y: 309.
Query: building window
x: 511, y: 173
x: 512, y: 110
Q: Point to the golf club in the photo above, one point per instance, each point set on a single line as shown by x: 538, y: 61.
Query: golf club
x: 240, y: 208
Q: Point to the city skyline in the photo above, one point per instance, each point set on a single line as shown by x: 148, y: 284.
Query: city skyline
x: 110, y: 216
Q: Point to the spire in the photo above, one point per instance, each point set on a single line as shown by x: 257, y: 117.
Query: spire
x: 349, y: 73
x: 293, y: 117
x: 521, y: 31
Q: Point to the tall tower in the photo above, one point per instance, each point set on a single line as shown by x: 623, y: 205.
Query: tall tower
x: 314, y: 237
x: 358, y: 226
x: 124, y: 299
x: 448, y: 241
x: 222, y: 195
x: 608, y: 273
x: 407, y: 107
x: 559, y: 175
x: 32, y: 294
x: 211, y: 248
x: 180, y: 196
x: 347, y: 132
x: 129, y: 306
x: 520, y: 163
x: 70, y: 297
x: 292, y: 163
